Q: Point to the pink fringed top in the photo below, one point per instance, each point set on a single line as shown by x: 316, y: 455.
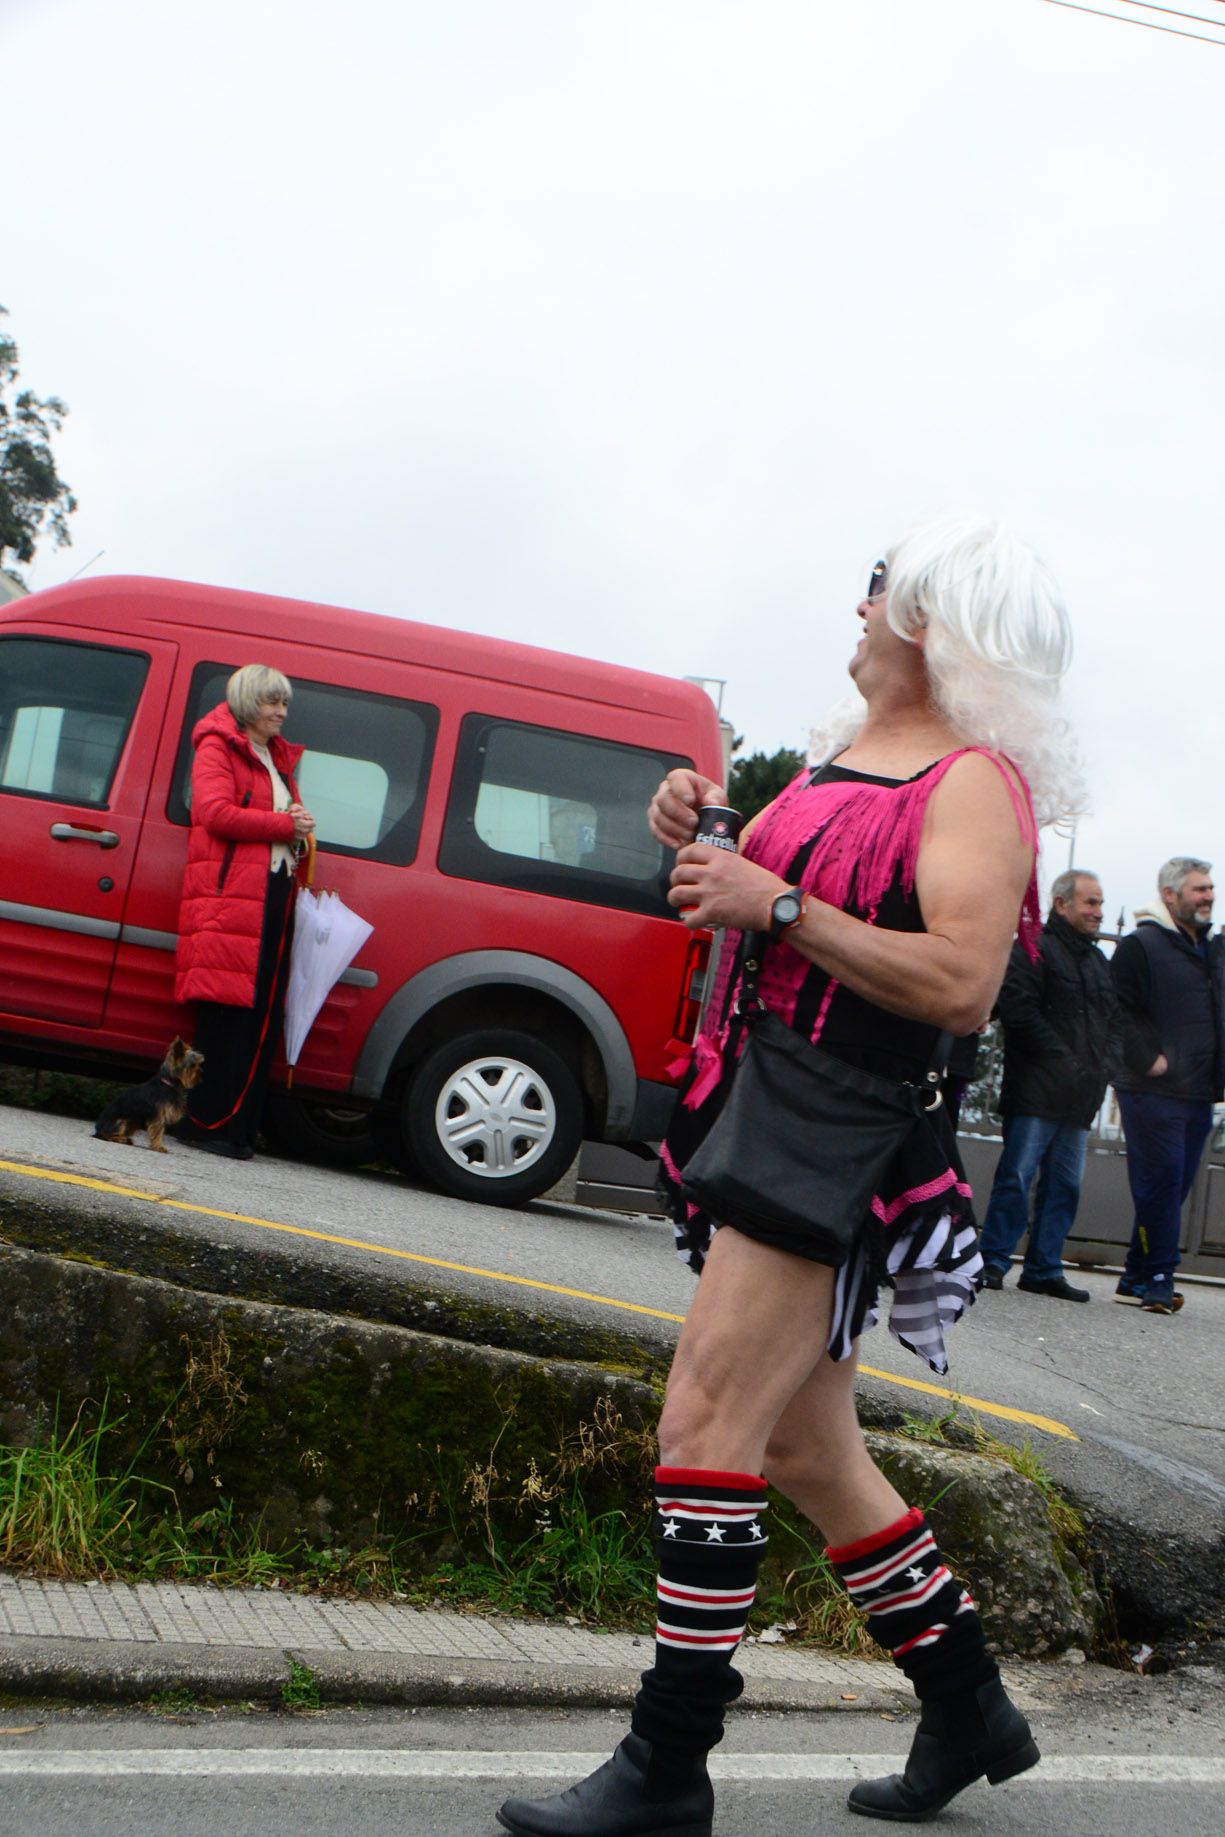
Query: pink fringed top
x: 853, y: 841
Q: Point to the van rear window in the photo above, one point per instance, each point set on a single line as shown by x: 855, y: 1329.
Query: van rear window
x: 364, y: 773
x: 558, y: 813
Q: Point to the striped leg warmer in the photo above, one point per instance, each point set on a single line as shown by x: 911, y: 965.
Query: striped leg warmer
x: 709, y: 1540
x: 916, y: 1608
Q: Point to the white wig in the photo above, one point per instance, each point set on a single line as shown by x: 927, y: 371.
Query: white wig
x: 997, y: 645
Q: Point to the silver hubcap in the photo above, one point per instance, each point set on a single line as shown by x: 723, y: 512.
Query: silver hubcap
x: 495, y: 1117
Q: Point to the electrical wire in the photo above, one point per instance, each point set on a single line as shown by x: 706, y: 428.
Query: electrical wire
x: 1149, y: 6
x: 1149, y: 25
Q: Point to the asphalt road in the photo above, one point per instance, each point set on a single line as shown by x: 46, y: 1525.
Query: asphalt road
x: 1123, y: 1767
x: 1137, y: 1397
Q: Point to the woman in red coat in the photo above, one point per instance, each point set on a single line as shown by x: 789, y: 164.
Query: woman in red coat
x: 247, y: 831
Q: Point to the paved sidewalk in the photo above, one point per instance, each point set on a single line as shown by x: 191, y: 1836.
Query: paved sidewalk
x: 115, y: 1641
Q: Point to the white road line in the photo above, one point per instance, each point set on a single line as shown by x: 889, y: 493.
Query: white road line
x: 443, y: 1764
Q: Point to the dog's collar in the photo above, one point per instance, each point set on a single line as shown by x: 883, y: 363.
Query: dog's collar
x: 170, y: 1081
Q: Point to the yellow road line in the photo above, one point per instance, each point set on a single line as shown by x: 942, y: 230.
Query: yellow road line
x: 1031, y: 1421
x: 328, y: 1237
x: 1045, y: 1423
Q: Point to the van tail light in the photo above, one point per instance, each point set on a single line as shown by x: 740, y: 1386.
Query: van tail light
x: 693, y: 984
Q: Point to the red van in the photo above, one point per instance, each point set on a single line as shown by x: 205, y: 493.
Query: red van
x: 481, y: 803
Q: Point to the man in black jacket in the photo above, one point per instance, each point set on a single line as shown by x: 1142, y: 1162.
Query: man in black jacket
x: 1061, y: 1045
x: 1167, y: 975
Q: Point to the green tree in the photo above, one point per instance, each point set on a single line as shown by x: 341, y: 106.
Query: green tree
x: 756, y: 781
x: 32, y: 493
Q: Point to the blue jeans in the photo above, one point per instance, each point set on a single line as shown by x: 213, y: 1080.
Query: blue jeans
x: 1165, y: 1143
x: 1031, y: 1143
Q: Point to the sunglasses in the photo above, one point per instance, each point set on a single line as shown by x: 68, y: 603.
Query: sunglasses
x: 878, y: 580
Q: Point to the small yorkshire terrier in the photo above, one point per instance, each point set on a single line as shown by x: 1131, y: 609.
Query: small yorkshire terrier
x: 156, y: 1104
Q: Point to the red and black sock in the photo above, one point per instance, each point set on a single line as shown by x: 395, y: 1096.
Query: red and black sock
x: 709, y: 1540
x: 916, y: 1609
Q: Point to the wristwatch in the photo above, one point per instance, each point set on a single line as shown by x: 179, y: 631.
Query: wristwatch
x: 787, y: 910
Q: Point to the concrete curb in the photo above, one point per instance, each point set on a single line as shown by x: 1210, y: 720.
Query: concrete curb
x: 112, y: 1671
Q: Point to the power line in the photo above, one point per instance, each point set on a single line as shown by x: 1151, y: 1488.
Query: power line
x: 1148, y: 6
x: 1150, y: 25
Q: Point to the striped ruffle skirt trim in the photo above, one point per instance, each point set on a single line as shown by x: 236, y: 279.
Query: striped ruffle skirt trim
x: 933, y: 1270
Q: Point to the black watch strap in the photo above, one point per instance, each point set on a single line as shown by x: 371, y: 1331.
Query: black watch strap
x: 792, y: 901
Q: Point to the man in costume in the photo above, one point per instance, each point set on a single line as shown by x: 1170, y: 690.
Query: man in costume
x: 889, y: 882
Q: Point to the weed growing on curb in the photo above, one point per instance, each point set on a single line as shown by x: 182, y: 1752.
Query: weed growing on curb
x: 174, y: 1701
x: 933, y: 1429
x: 301, y: 1688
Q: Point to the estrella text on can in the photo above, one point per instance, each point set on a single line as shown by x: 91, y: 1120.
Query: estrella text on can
x: 719, y: 826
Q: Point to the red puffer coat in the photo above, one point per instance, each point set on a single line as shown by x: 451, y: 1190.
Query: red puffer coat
x: 225, y: 882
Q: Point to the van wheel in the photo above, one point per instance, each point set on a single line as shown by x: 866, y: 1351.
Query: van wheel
x: 312, y: 1130
x: 495, y: 1116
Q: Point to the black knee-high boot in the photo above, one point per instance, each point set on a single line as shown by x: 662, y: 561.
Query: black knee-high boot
x: 709, y: 1540
x: 968, y: 1726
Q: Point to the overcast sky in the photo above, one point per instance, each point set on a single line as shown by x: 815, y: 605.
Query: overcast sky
x: 638, y: 328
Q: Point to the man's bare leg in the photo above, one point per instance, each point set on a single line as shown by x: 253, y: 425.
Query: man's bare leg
x: 752, y: 1339
x: 756, y: 1331
x: 887, y: 1558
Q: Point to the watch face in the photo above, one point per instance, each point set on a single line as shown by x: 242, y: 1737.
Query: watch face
x: 786, y: 910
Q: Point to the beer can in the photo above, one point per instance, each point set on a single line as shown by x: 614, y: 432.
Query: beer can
x: 719, y: 826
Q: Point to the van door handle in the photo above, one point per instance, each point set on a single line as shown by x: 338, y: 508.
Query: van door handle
x: 70, y: 832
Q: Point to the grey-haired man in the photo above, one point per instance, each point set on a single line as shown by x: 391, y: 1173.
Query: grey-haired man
x: 1168, y: 978
x: 1061, y: 1045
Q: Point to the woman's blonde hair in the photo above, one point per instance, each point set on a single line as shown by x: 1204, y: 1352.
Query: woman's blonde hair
x: 997, y: 643
x: 252, y: 684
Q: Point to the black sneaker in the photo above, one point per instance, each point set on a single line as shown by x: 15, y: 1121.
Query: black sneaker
x: 993, y: 1278
x: 1159, y: 1298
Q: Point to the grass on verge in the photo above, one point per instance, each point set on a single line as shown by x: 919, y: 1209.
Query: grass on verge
x: 960, y: 1428
x: 65, y: 1513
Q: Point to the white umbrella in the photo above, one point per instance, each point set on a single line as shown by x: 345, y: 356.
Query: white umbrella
x: 326, y: 938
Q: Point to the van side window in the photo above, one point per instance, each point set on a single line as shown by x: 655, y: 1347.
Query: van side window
x: 363, y: 775
x: 558, y: 813
x: 65, y: 711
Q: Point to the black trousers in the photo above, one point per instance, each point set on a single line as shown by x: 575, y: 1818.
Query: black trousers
x: 238, y: 1043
